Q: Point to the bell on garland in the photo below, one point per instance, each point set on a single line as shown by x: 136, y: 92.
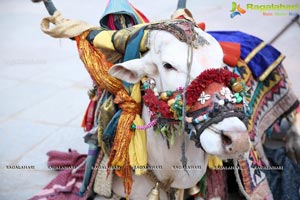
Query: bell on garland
x: 164, y: 96
x: 154, y: 194
x: 194, y: 190
x: 237, y: 87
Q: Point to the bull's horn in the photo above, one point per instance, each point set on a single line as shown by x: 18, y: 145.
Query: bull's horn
x: 181, y: 4
x: 182, y: 11
x: 48, y: 4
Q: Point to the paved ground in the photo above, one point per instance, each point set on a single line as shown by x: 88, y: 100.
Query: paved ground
x: 43, y: 83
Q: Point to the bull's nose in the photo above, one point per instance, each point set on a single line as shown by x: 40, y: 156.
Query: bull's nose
x: 227, y: 142
x: 234, y: 142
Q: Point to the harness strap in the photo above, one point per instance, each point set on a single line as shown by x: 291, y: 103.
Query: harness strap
x: 214, y: 120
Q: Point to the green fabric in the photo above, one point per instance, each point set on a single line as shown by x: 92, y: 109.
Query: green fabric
x: 202, y: 186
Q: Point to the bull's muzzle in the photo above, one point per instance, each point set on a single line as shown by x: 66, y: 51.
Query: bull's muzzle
x: 235, y: 142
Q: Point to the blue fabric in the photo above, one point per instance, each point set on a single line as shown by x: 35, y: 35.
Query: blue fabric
x: 132, y: 51
x: 133, y: 46
x: 261, y: 61
x: 285, y: 183
x: 121, y: 7
x: 110, y: 130
x: 90, y: 161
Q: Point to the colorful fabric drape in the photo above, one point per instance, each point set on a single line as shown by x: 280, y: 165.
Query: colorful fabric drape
x: 271, y: 97
x: 262, y: 58
x: 98, y: 66
x: 121, y: 7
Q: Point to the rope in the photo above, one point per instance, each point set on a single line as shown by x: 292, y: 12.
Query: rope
x: 188, y: 78
x: 149, y: 125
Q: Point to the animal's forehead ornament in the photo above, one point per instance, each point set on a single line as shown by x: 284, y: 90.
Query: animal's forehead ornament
x: 183, y: 30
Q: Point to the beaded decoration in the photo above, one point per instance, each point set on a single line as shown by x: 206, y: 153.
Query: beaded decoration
x: 214, y: 91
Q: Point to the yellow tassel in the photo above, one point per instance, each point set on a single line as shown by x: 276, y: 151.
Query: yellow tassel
x: 214, y: 162
x: 138, y: 148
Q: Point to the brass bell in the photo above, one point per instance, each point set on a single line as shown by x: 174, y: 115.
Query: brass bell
x: 194, y: 190
x: 154, y: 194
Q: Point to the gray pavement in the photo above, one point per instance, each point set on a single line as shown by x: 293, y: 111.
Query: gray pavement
x: 43, y: 83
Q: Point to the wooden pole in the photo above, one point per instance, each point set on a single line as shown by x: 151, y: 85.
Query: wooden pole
x: 295, y: 19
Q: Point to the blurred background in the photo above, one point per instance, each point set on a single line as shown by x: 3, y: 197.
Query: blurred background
x: 43, y: 84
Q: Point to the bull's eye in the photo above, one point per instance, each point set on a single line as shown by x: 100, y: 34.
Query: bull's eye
x: 168, y: 66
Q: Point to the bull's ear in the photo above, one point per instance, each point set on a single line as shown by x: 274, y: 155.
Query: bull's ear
x: 130, y: 71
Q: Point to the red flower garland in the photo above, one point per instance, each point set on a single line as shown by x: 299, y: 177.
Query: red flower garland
x: 160, y: 108
x: 157, y: 106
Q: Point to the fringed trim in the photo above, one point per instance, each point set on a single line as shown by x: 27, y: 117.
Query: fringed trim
x: 255, y: 51
x: 90, y: 186
x: 246, y: 176
x: 281, y: 107
x: 262, y: 191
x: 272, y: 67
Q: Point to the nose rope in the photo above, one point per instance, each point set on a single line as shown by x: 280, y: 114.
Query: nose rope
x: 210, y: 122
x: 188, y: 78
x: 215, y: 130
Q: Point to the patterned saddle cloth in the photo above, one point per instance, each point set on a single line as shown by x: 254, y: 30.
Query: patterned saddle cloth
x: 260, y: 67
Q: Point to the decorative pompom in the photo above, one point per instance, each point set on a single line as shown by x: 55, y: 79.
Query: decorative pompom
x: 157, y: 107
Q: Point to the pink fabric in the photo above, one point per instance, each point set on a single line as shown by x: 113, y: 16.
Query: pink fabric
x: 111, y: 23
x: 216, y: 184
x: 298, y: 109
x: 66, y: 185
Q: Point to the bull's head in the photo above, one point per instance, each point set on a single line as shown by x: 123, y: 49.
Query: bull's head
x: 169, y: 63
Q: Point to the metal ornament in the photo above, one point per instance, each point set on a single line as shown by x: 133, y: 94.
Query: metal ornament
x: 154, y: 194
x: 194, y: 190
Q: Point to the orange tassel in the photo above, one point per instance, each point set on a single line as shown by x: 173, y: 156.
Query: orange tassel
x: 232, y: 53
x: 201, y: 26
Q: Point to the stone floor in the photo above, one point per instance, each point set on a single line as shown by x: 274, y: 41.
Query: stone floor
x: 43, y: 83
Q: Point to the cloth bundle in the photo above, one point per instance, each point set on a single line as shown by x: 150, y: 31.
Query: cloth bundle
x: 69, y: 179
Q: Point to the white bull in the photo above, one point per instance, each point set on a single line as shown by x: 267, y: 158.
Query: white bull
x: 166, y: 63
